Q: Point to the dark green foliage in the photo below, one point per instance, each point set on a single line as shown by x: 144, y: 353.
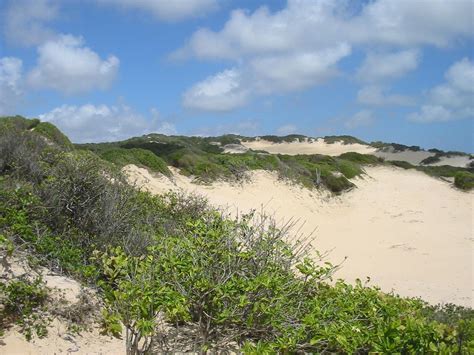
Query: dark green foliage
x: 402, y: 164
x: 343, y: 139
x: 137, y: 156
x: 394, y: 146
x: 464, y: 180
x: 53, y: 134
x: 18, y: 122
x: 431, y: 160
x: 364, y: 159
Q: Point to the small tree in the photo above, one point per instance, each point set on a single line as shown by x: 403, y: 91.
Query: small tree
x: 135, y: 296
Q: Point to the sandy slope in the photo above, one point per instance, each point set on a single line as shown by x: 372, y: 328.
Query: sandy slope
x: 407, y: 231
x: 409, y: 156
x: 459, y: 161
x: 309, y: 147
x: 64, y: 292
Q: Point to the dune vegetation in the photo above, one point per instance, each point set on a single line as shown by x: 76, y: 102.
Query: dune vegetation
x: 175, y: 274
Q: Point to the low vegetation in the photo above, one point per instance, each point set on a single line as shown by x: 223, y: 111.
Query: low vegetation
x: 202, y: 159
x: 464, y: 180
x: 179, y: 276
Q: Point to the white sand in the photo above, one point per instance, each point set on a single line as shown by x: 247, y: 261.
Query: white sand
x: 409, y: 232
x: 409, y: 156
x: 455, y: 160
x: 318, y: 146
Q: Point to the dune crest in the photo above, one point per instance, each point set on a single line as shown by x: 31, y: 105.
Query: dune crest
x: 408, y: 232
x: 318, y: 146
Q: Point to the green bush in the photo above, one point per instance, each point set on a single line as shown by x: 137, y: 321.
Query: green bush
x: 464, y: 180
x: 402, y: 164
x: 137, y: 156
x: 22, y: 302
x: 365, y: 159
x: 52, y: 133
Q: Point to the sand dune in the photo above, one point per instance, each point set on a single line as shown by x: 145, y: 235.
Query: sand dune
x: 407, y: 231
x: 409, y: 156
x: 318, y: 146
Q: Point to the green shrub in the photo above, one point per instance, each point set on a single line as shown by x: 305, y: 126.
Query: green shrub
x: 52, y: 133
x: 137, y: 156
x: 431, y: 160
x: 402, y: 164
x: 464, y: 180
x: 22, y: 302
x: 365, y: 159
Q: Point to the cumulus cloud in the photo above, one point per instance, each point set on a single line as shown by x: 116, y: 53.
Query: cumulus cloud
x: 295, y: 71
x: 101, y: 123
x: 376, y: 95
x: 300, y: 45
x: 360, y: 119
x: 451, y: 100
x: 233, y: 88
x: 11, y: 91
x: 166, y: 9
x: 311, y: 24
x: 381, y: 66
x: 67, y: 66
x: 220, y: 92
x: 26, y: 21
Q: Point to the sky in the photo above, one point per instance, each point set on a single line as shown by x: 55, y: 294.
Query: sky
x: 103, y: 70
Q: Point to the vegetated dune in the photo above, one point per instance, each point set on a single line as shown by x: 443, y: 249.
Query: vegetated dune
x: 407, y: 231
x: 456, y: 160
x: 310, y: 146
x: 409, y: 156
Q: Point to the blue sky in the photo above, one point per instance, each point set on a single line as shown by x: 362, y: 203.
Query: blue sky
x: 391, y: 70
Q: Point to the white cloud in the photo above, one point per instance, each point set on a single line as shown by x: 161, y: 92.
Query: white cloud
x: 410, y: 23
x: 286, y: 129
x: 300, y: 45
x: 220, y: 92
x: 67, y: 66
x: 233, y: 88
x: 25, y: 21
x: 295, y: 71
x: 10, y: 84
x: 381, y: 66
x: 376, y: 95
x: 312, y: 24
x: 360, y: 119
x: 452, y: 100
x: 102, y: 123
x: 169, y: 10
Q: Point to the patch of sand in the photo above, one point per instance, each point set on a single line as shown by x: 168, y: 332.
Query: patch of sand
x: 408, y: 232
x: 59, y: 339
x: 318, y: 146
x: 455, y: 160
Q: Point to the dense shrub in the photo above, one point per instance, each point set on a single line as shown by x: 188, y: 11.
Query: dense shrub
x: 464, y: 180
x: 137, y: 156
x: 53, y: 134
